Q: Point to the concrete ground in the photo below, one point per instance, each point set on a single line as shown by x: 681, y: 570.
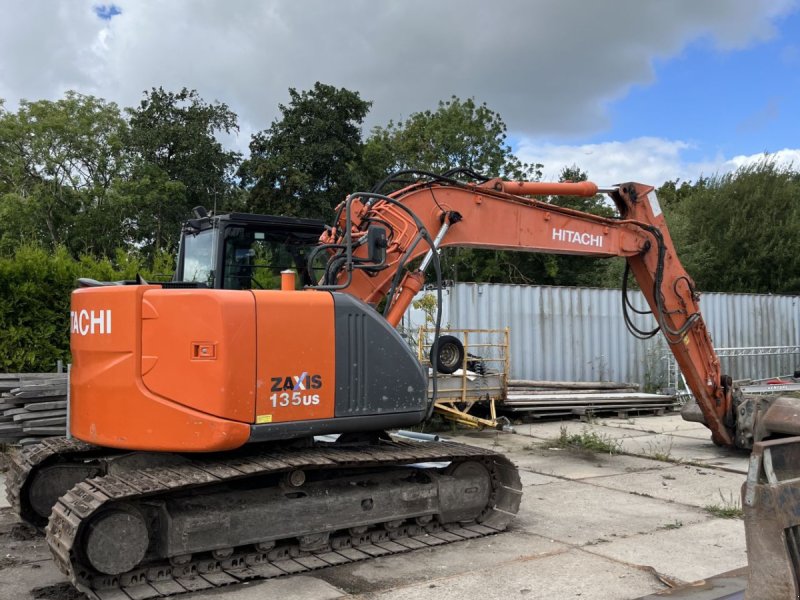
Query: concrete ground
x: 591, y: 526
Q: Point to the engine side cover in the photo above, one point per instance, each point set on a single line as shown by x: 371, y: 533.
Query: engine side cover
x: 376, y: 371
x: 375, y: 382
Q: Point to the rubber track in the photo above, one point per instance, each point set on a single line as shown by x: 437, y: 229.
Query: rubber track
x: 162, y: 579
x: 26, y: 459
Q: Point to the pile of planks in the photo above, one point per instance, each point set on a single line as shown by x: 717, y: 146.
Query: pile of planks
x: 560, y: 398
x: 32, y: 406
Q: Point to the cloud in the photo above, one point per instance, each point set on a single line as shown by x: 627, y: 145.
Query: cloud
x: 646, y: 159
x: 788, y: 157
x: 550, y: 68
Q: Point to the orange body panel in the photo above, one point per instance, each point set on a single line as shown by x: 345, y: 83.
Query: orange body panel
x: 199, y: 349
x: 296, y: 356
x: 110, y: 404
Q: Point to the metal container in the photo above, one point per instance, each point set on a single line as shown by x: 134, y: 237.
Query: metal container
x: 571, y: 334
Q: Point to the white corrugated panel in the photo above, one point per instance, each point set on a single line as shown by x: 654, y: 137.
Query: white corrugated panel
x: 573, y: 334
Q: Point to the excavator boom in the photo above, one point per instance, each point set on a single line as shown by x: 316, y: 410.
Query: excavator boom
x: 498, y: 215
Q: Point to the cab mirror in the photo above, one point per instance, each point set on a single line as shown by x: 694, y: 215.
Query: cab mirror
x: 376, y: 244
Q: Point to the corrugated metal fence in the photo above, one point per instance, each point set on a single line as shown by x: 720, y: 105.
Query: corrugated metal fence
x: 572, y: 334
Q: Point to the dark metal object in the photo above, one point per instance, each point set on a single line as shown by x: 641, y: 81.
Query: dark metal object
x: 270, y: 432
x: 51, y: 482
x: 116, y: 541
x: 41, y: 473
x: 377, y: 244
x: 779, y: 416
x: 376, y: 371
x: 450, y: 354
x: 26, y: 464
x: 757, y: 417
x: 771, y: 502
x: 479, y: 486
x: 230, y: 518
x: 295, y: 478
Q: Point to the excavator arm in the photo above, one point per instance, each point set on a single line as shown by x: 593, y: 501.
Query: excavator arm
x: 377, y: 238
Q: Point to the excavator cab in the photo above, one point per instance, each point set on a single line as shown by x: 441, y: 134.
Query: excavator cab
x: 239, y: 251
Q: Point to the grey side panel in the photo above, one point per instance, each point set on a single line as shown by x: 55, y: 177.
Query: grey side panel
x: 283, y: 431
x: 376, y: 371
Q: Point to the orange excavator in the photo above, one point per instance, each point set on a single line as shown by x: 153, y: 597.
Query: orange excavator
x: 202, y: 409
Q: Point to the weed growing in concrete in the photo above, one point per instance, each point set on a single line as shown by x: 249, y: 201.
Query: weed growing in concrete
x: 730, y: 508
x: 586, y: 440
x: 661, y: 457
x: 659, y: 452
x: 674, y: 525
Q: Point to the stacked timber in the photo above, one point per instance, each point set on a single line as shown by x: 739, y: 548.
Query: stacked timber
x: 32, y: 406
x: 560, y: 398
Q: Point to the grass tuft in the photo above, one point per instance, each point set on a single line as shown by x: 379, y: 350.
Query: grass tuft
x: 730, y: 508
x: 586, y: 440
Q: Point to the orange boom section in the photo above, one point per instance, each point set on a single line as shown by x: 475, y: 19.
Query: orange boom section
x: 162, y: 370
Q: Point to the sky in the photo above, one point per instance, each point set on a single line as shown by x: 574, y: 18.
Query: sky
x: 640, y: 90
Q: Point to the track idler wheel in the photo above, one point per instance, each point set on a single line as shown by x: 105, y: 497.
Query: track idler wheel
x: 52, y: 482
x: 116, y: 540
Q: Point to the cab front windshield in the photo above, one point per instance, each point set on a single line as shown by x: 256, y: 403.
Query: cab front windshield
x: 198, y: 256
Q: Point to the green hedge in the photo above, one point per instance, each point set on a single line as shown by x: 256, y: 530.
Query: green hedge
x: 35, y: 287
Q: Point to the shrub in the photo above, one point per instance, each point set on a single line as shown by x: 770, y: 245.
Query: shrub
x: 35, y: 288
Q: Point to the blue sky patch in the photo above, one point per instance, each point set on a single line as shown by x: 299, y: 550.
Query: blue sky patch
x: 729, y: 102
x: 107, y: 11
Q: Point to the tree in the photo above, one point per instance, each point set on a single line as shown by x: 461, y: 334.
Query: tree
x: 58, y: 164
x: 178, y: 161
x: 458, y: 134
x: 304, y: 164
x: 739, y: 232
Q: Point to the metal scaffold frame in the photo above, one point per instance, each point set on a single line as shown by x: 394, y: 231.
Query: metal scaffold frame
x: 675, y: 377
x: 458, y: 394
